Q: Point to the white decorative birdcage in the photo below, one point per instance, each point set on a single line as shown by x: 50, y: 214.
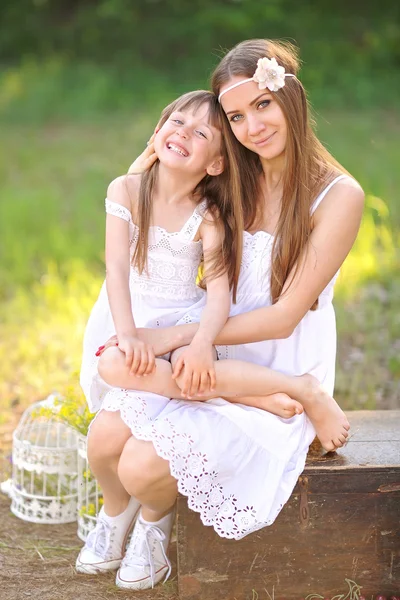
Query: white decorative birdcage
x: 44, y: 484
x: 90, y: 499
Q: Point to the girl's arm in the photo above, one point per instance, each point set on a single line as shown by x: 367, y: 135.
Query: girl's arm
x: 337, y: 221
x: 139, y: 357
x: 198, y: 360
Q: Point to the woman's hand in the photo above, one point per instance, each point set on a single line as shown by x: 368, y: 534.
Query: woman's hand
x: 145, y: 160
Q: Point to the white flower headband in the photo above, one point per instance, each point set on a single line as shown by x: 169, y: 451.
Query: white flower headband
x: 268, y: 75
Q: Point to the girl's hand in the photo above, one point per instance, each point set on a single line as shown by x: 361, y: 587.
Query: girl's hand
x: 145, y: 160
x: 140, y: 357
x: 162, y: 340
x: 197, y: 364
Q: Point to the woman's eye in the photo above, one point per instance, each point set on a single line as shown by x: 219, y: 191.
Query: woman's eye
x: 263, y: 103
x: 235, y: 118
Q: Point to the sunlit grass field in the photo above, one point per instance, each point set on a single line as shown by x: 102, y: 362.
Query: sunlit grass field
x: 54, y: 180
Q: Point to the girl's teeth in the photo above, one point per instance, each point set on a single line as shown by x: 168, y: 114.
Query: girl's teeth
x: 176, y: 149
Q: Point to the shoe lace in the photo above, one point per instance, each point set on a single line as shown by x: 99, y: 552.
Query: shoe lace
x: 100, y: 538
x: 140, y: 551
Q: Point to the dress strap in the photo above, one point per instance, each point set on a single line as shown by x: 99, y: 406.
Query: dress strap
x: 191, y: 227
x: 322, y: 195
x: 117, y: 210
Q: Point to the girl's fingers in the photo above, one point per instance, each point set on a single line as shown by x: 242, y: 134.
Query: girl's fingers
x: 194, y: 385
x: 135, y: 361
x: 187, y: 381
x: 128, y: 358
x: 144, y: 360
x: 213, y: 379
x: 151, y: 363
x: 203, y: 384
x: 178, y: 368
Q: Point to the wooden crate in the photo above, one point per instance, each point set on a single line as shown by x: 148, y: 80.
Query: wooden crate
x: 341, y: 522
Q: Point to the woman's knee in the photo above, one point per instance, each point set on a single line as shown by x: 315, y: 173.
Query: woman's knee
x: 140, y: 467
x: 107, y: 436
x: 110, y: 363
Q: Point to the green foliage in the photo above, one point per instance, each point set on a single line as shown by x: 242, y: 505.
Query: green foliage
x: 82, y: 58
x: 70, y: 407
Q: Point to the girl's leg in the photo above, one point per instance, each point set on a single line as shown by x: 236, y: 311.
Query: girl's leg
x: 113, y: 370
x: 105, y: 544
x: 148, y: 477
x: 251, y: 384
x: 106, y: 440
x: 243, y: 381
x: 234, y: 379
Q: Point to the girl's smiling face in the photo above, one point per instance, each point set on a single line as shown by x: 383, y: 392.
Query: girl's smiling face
x: 188, y: 140
x: 256, y: 118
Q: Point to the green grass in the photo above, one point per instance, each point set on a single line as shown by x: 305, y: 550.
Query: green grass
x: 52, y: 237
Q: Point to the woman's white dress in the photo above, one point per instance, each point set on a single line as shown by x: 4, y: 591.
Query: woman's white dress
x: 238, y: 465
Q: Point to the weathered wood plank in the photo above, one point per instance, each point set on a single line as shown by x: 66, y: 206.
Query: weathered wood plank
x: 342, y: 521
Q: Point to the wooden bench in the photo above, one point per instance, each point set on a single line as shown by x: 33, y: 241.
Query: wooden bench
x: 341, y: 522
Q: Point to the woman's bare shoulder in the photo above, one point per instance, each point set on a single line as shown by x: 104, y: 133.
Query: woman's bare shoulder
x: 346, y: 192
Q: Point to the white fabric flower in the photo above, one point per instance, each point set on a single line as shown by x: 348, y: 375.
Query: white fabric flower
x: 269, y: 74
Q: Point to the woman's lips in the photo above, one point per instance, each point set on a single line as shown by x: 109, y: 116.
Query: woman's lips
x: 265, y: 140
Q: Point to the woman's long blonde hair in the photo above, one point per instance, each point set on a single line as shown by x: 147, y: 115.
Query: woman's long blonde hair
x: 223, y: 199
x: 309, y: 166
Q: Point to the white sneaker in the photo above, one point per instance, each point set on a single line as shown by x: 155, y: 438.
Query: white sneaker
x: 105, y: 544
x: 145, y: 563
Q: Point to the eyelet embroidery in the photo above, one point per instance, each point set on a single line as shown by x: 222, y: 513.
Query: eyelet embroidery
x: 202, y: 486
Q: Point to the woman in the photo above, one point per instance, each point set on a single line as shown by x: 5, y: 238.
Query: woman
x: 237, y: 464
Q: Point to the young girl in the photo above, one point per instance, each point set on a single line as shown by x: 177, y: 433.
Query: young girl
x: 159, y: 228
x: 181, y: 216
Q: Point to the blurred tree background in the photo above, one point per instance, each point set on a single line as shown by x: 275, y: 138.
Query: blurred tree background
x: 81, y: 86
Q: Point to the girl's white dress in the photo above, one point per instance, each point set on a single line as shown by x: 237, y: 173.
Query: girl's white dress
x: 160, y: 297
x: 237, y: 465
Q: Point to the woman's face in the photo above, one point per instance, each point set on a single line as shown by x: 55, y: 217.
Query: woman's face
x: 256, y: 118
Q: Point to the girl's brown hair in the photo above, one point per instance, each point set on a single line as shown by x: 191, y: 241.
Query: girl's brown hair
x: 309, y: 166
x: 223, y: 199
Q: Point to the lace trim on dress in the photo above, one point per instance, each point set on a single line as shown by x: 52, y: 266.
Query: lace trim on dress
x: 205, y: 494
x: 117, y: 210
x: 169, y: 278
x: 191, y: 227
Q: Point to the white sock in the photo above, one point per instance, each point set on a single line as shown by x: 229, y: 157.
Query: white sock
x: 124, y: 519
x: 165, y: 523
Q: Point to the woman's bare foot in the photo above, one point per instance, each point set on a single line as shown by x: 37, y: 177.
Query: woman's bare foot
x: 325, y: 414
x: 278, y: 404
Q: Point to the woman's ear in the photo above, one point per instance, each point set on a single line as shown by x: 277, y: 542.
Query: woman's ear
x: 217, y: 167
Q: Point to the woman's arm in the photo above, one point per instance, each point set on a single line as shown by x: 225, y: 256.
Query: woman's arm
x: 337, y: 221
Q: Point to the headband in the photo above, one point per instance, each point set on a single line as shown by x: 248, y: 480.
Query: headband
x: 268, y: 75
